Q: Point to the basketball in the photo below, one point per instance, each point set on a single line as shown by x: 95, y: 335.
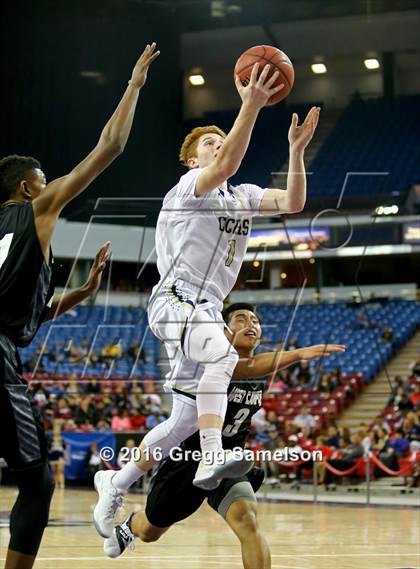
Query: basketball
x: 278, y: 60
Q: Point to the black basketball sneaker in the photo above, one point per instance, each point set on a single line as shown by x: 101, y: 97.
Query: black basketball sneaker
x: 122, y: 538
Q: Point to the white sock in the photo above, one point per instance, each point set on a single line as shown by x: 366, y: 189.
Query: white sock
x: 211, y: 440
x: 126, y: 477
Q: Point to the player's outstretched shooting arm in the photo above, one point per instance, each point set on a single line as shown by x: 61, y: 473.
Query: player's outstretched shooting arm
x: 61, y: 303
x: 261, y: 365
x: 58, y: 193
x: 254, y: 97
x: 293, y: 199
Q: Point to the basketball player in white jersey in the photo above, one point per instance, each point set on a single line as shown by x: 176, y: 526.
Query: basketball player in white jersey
x: 201, y: 240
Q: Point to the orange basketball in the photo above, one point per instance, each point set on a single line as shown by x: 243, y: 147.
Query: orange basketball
x: 278, y: 60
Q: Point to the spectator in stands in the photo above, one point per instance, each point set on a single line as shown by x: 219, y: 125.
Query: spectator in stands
x: 93, y: 387
x: 362, y: 321
x: 103, y: 425
x: 69, y: 350
x: 333, y: 439
x: 48, y: 419
x: 93, y: 461
x: 85, y: 412
x: 69, y: 426
x: 349, y: 456
x: 272, y: 444
x: 399, y: 443
x: 399, y: 382
x: 336, y: 376
x: 63, y: 410
x: 74, y: 387
x: 414, y: 367
x: 325, y: 385
x: 415, y: 396
x: 121, y: 420
x: 293, y: 443
x: 379, y: 440
x: 292, y: 344
x: 57, y: 354
x: 152, y: 403
x: 380, y: 444
x: 411, y: 428
x: 303, y: 374
x: 387, y: 334
x: 135, y: 398
x: 405, y: 404
x: 104, y: 409
x: 321, y: 445
x: 32, y: 363
x: 137, y: 420
x: 154, y: 419
x: 305, y: 421
x: 51, y: 404
x: 364, y: 437
x: 135, y: 354
x: 272, y: 420
x: 125, y: 456
x: 110, y: 352
x: 39, y: 396
x: 279, y: 381
x: 400, y: 399
x: 345, y: 434
x: 260, y: 424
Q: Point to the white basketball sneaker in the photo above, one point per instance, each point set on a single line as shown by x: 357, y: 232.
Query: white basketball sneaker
x: 222, y: 464
x: 110, y: 499
x: 122, y: 538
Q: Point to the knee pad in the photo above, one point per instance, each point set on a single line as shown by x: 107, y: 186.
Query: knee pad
x: 29, y: 515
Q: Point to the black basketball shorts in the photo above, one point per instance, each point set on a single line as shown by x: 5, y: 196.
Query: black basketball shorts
x: 172, y: 496
x: 23, y: 442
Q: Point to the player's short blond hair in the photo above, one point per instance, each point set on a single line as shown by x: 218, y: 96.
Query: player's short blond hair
x: 189, y: 146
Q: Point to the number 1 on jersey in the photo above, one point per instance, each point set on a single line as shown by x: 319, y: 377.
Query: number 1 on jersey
x: 231, y: 253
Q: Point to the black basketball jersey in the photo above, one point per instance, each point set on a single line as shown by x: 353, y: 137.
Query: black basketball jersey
x: 26, y: 284
x: 244, y: 400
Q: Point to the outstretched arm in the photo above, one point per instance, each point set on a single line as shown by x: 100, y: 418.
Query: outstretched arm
x: 58, y: 193
x: 264, y: 364
x: 293, y: 199
x: 254, y: 96
x: 61, y: 303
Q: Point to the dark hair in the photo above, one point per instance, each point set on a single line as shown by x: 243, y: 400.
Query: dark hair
x: 237, y: 306
x: 13, y: 169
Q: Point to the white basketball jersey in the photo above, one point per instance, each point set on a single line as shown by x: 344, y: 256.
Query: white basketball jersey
x: 202, y: 240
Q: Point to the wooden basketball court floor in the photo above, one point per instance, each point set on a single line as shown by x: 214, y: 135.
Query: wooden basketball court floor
x: 301, y: 536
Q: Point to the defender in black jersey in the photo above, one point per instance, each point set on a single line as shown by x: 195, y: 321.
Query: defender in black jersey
x: 173, y: 497
x: 29, y: 210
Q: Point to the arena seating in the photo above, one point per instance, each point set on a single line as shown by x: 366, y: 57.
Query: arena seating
x: 100, y: 325
x: 366, y: 352
x: 372, y: 136
x: 324, y: 408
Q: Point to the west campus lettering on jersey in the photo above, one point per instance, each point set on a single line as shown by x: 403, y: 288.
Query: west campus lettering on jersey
x: 236, y: 226
x: 238, y: 395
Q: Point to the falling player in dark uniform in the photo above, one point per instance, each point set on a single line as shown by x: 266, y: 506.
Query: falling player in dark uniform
x: 173, y: 497
x: 29, y: 210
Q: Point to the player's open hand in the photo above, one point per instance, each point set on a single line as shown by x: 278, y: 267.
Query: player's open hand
x: 320, y: 350
x: 259, y: 90
x: 95, y: 275
x: 300, y: 136
x: 139, y: 76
